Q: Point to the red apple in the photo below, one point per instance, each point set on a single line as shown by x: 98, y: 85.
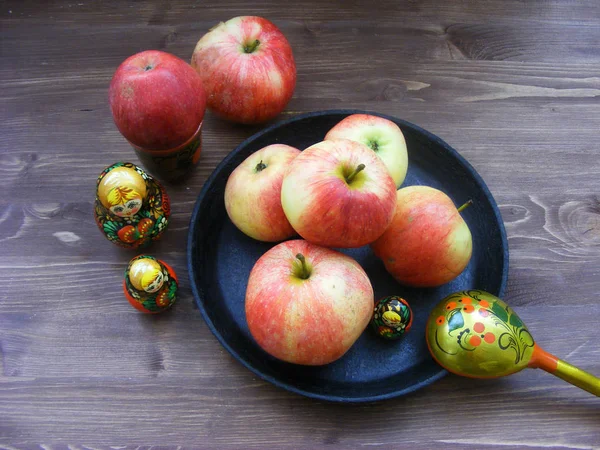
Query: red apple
x: 381, y: 135
x: 428, y: 243
x: 253, y: 194
x: 338, y: 193
x: 157, y: 100
x: 248, y: 69
x: 307, y: 304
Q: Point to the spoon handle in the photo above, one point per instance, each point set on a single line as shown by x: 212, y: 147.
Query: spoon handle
x: 541, y: 359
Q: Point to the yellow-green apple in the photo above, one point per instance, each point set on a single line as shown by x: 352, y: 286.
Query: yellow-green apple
x: 248, y: 69
x: 307, y: 304
x: 157, y: 100
x: 338, y: 193
x: 381, y: 135
x: 428, y: 243
x: 253, y: 194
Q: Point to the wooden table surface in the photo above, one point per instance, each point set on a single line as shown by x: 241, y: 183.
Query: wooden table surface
x: 514, y: 86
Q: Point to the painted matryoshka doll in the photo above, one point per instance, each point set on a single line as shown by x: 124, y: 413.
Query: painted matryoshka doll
x: 131, y: 208
x: 392, y: 317
x: 150, y: 284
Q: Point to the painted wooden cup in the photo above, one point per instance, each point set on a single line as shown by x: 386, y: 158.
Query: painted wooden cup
x: 172, y: 165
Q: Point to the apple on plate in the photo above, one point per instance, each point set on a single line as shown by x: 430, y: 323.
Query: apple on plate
x: 428, y: 243
x: 381, y: 135
x: 338, y: 193
x: 253, y: 194
x: 248, y: 69
x: 307, y: 304
x: 157, y: 100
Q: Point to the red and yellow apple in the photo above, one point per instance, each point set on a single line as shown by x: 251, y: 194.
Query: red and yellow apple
x: 248, y: 69
x: 381, y: 135
x: 338, y: 193
x: 253, y: 194
x: 428, y: 243
x: 307, y: 304
x: 157, y: 100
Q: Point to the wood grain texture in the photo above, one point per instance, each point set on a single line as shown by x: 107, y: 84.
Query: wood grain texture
x: 513, y: 86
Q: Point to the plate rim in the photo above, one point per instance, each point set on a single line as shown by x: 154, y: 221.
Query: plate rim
x: 211, y: 178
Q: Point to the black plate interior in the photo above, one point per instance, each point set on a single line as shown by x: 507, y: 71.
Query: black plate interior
x: 220, y: 259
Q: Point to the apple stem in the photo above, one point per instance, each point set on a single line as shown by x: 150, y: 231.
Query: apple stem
x: 249, y: 48
x: 304, y: 273
x: 353, y: 174
x: 465, y: 206
x: 260, y: 166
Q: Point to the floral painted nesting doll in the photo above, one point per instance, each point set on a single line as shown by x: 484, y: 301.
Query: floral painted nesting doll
x: 150, y: 284
x: 131, y: 208
x: 392, y: 317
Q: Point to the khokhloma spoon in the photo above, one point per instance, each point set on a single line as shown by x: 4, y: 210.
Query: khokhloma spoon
x: 475, y: 334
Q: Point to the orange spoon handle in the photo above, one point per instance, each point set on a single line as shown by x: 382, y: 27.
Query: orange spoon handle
x: 541, y: 359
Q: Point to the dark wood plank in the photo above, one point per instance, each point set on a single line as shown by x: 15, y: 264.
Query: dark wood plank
x: 566, y: 12
x: 209, y: 415
x: 512, y: 85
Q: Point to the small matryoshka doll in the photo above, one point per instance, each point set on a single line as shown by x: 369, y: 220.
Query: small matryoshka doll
x: 150, y: 285
x: 131, y: 208
x: 392, y: 317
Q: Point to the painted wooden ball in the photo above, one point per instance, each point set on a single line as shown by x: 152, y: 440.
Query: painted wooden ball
x: 150, y: 284
x: 392, y: 317
x: 131, y: 208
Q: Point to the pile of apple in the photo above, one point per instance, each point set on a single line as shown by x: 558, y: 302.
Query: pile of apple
x: 305, y: 302
x: 242, y: 70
